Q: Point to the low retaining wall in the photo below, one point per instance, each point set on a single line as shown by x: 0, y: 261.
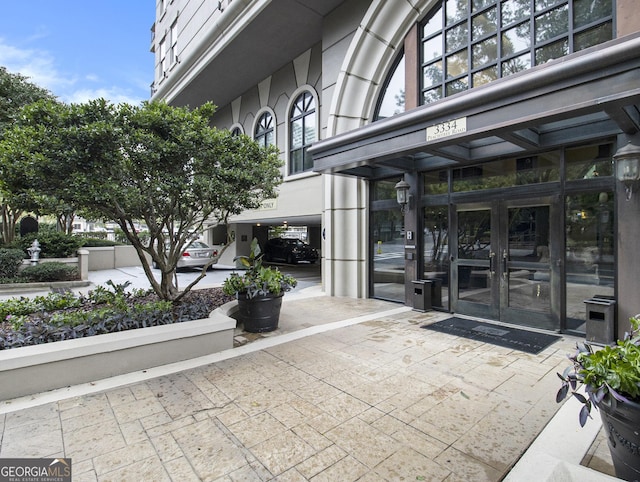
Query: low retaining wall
x: 112, y: 257
x: 34, y: 369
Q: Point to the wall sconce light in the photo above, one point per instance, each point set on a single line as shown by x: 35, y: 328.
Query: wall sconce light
x: 402, y: 195
x: 627, y: 167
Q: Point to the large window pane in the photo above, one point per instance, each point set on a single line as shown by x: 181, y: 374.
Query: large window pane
x: 296, y: 133
x: 457, y: 64
x: 432, y: 95
x: 484, y: 53
x: 485, y: 76
x: 516, y: 64
x: 516, y: 39
x: 309, y: 130
x: 392, y: 102
x: 484, y: 24
x: 436, y: 252
x: 432, y: 74
x: 456, y: 10
x: 589, y: 162
x: 552, y: 24
x: 588, y: 11
x: 552, y: 51
x: 387, y: 246
x: 590, y: 262
x: 456, y: 86
x: 508, y: 173
x: 514, y: 10
x: 432, y: 48
x: 543, y: 4
x: 477, y: 5
x: 457, y: 37
x: 592, y: 37
x: 433, y: 25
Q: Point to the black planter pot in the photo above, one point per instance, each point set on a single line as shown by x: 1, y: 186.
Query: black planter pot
x: 260, y: 313
x: 621, y: 422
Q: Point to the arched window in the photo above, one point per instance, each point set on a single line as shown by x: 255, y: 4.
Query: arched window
x: 302, y: 125
x: 236, y: 131
x: 468, y: 43
x: 391, y: 101
x: 264, y: 132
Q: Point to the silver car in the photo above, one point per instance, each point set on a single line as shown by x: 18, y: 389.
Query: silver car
x: 197, y: 254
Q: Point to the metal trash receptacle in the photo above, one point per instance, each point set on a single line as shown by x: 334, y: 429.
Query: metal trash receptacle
x: 421, y: 295
x: 601, y: 313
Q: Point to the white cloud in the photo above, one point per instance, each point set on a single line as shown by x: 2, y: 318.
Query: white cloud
x: 113, y: 95
x: 39, y: 66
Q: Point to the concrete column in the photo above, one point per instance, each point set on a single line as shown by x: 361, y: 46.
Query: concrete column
x: 628, y: 241
x: 83, y: 264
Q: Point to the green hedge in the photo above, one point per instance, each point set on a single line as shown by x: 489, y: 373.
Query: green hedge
x: 52, y: 244
x: 10, y: 262
x: 50, y: 271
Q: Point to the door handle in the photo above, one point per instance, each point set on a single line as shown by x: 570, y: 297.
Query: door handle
x: 505, y: 258
x: 492, y: 264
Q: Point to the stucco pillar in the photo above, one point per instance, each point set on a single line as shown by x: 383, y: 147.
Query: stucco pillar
x: 344, y: 238
x: 83, y: 264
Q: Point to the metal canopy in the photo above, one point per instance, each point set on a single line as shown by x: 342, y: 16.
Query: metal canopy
x: 592, y: 94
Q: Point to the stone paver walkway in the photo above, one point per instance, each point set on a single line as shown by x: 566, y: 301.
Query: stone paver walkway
x: 378, y: 400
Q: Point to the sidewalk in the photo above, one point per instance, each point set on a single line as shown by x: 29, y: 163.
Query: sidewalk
x: 345, y: 389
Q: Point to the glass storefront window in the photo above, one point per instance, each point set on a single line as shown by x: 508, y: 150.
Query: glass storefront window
x: 508, y: 173
x: 590, y: 252
x: 436, y: 252
x: 589, y: 162
x: 387, y: 246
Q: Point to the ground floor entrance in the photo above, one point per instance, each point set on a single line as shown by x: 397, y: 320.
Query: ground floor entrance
x: 523, y: 241
x: 504, y: 268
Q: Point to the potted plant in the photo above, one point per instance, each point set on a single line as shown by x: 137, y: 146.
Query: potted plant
x: 259, y: 291
x: 611, y: 380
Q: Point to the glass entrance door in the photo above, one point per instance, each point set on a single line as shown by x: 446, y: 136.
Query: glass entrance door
x: 504, y: 267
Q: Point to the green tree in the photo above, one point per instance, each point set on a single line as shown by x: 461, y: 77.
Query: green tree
x: 15, y: 92
x: 155, y: 163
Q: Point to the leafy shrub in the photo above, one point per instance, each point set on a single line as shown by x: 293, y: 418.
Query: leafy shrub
x: 98, y: 242
x: 50, y: 302
x: 50, y: 271
x: 52, y: 244
x: 83, y: 317
x: 10, y: 262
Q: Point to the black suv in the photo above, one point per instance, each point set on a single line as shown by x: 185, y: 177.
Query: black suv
x: 289, y: 250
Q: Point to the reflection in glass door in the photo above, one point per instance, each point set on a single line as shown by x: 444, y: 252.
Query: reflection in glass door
x: 504, y: 268
x: 388, y: 254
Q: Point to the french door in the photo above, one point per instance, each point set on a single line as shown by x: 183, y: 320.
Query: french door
x: 506, y: 263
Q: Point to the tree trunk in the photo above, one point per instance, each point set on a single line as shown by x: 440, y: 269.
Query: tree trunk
x: 9, y: 220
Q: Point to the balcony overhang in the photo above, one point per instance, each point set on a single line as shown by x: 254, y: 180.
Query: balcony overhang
x: 591, y: 94
x: 249, y: 41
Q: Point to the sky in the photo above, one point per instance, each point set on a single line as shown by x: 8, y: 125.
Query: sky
x: 81, y: 49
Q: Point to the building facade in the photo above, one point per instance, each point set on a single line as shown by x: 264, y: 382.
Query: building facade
x: 506, y: 120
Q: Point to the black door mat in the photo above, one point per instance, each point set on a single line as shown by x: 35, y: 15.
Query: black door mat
x: 505, y: 336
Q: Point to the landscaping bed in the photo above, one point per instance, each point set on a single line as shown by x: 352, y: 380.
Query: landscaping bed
x: 65, y: 316
x: 37, y: 368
